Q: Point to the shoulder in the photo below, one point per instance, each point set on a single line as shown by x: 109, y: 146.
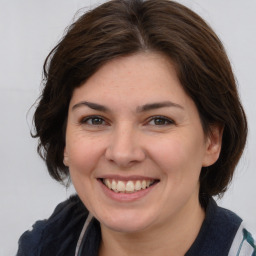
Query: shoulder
x: 229, y: 232
x: 244, y: 242
x: 57, y: 233
x: 223, y: 233
x: 217, y: 232
x: 241, y: 240
x: 224, y: 221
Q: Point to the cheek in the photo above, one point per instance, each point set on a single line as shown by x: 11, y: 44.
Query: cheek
x: 168, y: 152
x: 178, y: 157
x: 84, y: 157
x: 83, y: 154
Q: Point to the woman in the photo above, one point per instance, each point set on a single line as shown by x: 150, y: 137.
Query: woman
x: 140, y: 109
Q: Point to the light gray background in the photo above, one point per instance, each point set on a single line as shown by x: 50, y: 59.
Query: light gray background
x: 28, y: 31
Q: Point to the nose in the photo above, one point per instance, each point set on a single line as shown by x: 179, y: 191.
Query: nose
x: 124, y: 148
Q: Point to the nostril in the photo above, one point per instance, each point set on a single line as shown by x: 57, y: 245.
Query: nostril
x: 124, y: 156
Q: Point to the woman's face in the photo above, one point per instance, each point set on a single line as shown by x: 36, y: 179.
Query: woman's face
x: 135, y: 144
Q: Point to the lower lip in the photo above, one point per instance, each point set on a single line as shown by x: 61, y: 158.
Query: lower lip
x: 126, y: 197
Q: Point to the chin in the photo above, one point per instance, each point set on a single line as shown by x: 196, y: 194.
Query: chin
x: 126, y: 227
x: 127, y: 223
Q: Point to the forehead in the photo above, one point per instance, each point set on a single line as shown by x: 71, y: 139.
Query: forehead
x: 143, y: 76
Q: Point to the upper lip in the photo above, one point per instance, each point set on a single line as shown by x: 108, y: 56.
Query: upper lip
x: 126, y: 178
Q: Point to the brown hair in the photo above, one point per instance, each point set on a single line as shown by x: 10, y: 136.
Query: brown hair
x: 124, y: 27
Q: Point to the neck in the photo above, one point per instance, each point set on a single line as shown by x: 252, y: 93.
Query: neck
x: 173, y: 238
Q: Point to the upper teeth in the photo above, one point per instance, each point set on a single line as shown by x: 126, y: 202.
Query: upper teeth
x: 127, y: 186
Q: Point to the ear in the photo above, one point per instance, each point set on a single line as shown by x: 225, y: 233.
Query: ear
x: 213, y: 145
x: 65, y: 158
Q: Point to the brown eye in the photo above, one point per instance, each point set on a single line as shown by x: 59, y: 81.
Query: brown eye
x: 97, y: 121
x: 160, y: 121
x: 93, y: 120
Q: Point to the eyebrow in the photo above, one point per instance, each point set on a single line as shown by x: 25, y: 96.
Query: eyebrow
x: 91, y: 105
x: 143, y: 108
x: 156, y: 105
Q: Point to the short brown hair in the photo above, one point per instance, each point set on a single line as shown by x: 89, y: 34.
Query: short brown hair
x: 123, y: 27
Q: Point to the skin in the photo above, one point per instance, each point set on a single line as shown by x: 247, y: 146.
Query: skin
x: 127, y: 139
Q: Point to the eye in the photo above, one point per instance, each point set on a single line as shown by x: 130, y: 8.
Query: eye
x: 160, y: 121
x: 93, y: 120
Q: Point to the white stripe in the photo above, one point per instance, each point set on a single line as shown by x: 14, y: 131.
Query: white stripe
x: 246, y: 249
x: 86, y: 224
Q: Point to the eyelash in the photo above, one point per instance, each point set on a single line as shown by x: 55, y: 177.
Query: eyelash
x: 164, y: 121
x: 167, y: 121
x: 91, y: 118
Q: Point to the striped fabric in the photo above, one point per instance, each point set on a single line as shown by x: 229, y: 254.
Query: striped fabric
x: 243, y: 243
x: 223, y: 233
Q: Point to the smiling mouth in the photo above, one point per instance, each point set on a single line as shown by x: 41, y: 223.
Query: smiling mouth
x: 129, y: 186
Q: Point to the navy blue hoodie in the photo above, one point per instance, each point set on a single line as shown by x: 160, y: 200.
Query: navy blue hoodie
x: 58, y: 235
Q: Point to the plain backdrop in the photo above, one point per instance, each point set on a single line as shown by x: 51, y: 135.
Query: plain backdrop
x: 28, y: 31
